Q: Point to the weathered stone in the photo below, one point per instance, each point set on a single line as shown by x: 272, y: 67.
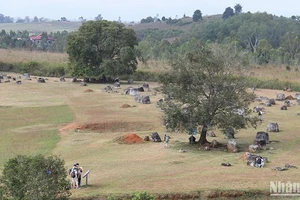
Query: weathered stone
x: 253, y: 148
x: 83, y: 84
x: 210, y: 134
x: 287, y: 103
x: 261, y: 135
x: 229, y: 133
x: 41, y: 80
x: 280, y: 97
x: 214, y: 144
x: 273, y: 127
x: 232, y: 146
x: 283, y: 107
x: 155, y: 137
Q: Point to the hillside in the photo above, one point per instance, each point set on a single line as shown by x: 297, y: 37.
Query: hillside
x: 34, y: 28
x: 54, y: 26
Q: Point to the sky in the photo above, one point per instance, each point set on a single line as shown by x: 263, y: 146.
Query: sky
x: 135, y: 10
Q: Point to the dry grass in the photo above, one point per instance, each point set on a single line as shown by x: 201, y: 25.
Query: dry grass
x: 20, y: 56
x: 271, y: 72
x: 118, y: 169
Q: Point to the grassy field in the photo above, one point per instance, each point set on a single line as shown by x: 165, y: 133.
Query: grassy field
x: 50, y: 119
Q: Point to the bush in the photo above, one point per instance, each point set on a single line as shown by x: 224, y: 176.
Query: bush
x: 142, y: 196
x: 26, y: 177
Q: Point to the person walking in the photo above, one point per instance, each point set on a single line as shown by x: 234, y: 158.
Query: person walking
x: 79, y: 172
x: 166, y: 140
x: 260, y: 115
x: 74, y: 176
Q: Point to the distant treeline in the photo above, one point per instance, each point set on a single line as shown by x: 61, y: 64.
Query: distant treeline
x: 263, y: 38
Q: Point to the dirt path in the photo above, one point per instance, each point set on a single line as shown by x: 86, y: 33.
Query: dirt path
x: 68, y: 127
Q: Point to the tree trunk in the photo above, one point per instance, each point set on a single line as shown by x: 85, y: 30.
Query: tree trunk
x: 202, y: 139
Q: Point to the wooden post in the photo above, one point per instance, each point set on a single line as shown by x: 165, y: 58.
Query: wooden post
x: 86, y: 175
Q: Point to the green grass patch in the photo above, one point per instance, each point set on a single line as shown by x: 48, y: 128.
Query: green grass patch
x: 30, y: 130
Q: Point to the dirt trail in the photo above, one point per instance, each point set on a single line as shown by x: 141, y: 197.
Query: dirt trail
x: 65, y: 129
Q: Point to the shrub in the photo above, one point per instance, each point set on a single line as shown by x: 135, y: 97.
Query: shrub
x: 142, y: 196
x: 26, y: 177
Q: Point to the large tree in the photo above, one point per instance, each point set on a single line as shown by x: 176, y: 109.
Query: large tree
x: 228, y: 13
x: 202, y: 91
x: 102, y: 47
x: 238, y: 9
x: 197, y: 15
x: 34, y: 177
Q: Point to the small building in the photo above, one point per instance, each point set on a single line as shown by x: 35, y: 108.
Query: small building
x: 38, y: 39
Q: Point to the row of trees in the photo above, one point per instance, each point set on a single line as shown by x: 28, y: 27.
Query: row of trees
x: 264, y: 37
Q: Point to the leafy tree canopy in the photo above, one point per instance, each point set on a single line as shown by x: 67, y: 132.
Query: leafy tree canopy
x: 202, y: 90
x: 228, y: 13
x: 102, y: 47
x: 197, y: 15
x: 238, y: 9
x: 35, y: 177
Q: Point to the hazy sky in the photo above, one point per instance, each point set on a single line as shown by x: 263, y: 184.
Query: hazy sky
x: 135, y: 10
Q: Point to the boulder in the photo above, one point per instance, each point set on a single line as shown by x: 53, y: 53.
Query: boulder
x: 214, y: 144
x: 117, y: 85
x: 273, y: 127
x: 26, y: 76
x: 232, y: 146
x: 155, y: 137
x: 62, y: 79
x: 41, y: 80
x: 261, y: 135
x: 284, y: 107
x: 280, y: 97
x: 253, y: 148
x: 287, y: 103
x: 267, y: 103
x: 86, y: 80
x: 140, y: 89
x: 146, y: 86
x: 229, y: 133
x: 146, y: 100
x: 83, y: 84
x: 297, y: 95
x: 107, y: 88
x: 146, y: 138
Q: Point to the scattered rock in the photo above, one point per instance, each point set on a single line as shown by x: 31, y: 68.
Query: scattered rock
x: 253, y: 148
x: 227, y: 164
x: 280, y: 168
x: 182, y: 151
x: 290, y: 166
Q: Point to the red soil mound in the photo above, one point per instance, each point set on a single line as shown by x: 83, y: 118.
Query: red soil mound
x: 131, y: 138
x: 88, y: 90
